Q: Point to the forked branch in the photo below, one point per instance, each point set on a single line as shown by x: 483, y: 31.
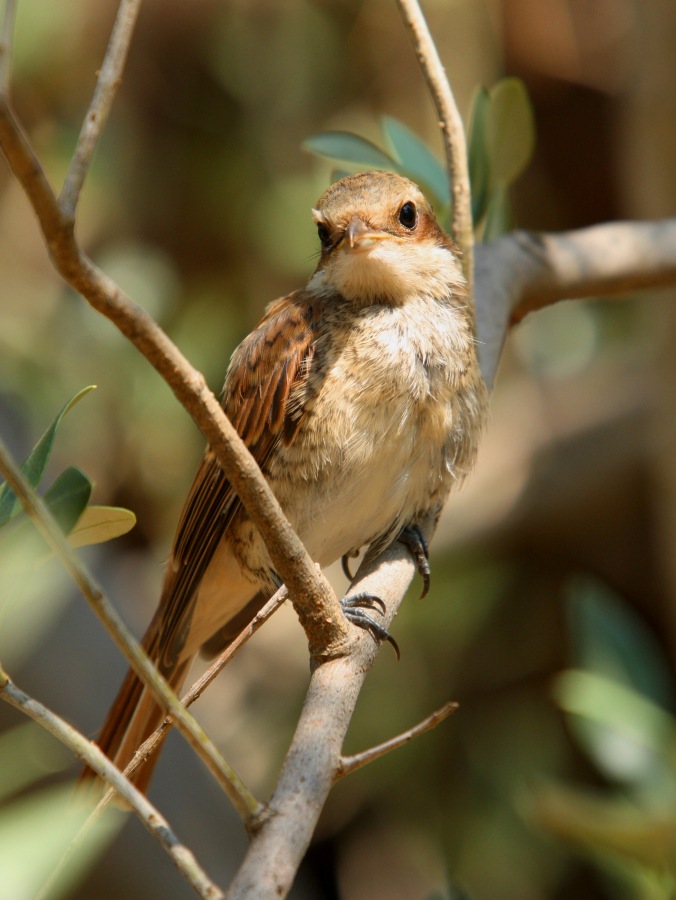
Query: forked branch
x: 155, y: 823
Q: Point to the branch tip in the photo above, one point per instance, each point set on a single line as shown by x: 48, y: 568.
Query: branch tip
x: 350, y: 764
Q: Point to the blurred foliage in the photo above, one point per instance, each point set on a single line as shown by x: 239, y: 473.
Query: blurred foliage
x: 68, y: 496
x: 500, y: 144
x: 553, y: 566
x: 37, y: 827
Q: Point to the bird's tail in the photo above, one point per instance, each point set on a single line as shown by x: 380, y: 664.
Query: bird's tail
x: 134, y: 715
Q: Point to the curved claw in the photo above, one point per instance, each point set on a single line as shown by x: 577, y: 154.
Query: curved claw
x: 363, y: 601
x: 353, y: 609
x: 346, y: 566
x: 414, y: 540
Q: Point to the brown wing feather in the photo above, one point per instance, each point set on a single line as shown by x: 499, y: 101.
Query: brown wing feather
x: 264, y: 396
x: 271, y: 362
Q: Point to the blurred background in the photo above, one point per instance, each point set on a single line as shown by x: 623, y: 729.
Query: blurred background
x: 552, y: 610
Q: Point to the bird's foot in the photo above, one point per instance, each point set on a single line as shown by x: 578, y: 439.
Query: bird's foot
x: 414, y: 540
x: 354, y: 607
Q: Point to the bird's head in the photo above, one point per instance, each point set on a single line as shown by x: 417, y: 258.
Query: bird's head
x: 381, y: 242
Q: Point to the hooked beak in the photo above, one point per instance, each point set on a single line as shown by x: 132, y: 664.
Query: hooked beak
x: 359, y: 236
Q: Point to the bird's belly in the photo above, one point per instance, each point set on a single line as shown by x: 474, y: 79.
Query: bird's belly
x: 375, y: 477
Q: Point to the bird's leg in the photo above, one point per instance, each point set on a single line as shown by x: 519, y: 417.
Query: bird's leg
x: 413, y: 539
x: 354, y: 607
x: 345, y: 563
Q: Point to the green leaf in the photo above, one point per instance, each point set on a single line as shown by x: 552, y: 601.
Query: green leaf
x: 510, y: 129
x: 347, y: 147
x: 68, y: 497
x: 610, y: 639
x: 35, y: 832
x: 338, y: 175
x: 34, y: 466
x: 101, y: 523
x: 416, y: 159
x: 28, y: 754
x: 499, y: 214
x: 479, y: 162
x: 633, y: 833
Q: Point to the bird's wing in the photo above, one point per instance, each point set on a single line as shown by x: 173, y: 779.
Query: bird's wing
x: 264, y: 397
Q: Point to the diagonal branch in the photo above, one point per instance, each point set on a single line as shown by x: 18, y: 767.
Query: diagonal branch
x: 311, y: 594
x: 243, y: 801
x: 155, y: 823
x: 313, y: 762
x: 153, y: 743
x: 107, y: 84
x: 350, y: 764
x: 452, y: 131
x: 523, y: 272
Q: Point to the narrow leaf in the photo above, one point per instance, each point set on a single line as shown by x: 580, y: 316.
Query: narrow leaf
x: 510, y: 129
x: 478, y: 157
x: 34, y: 466
x: 499, y: 214
x: 101, y: 523
x: 416, y: 159
x: 347, y: 147
x: 68, y: 497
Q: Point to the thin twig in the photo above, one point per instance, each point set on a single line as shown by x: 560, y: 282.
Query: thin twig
x: 350, y: 764
x: 242, y: 799
x: 6, y: 36
x: 311, y: 594
x: 154, y: 741
x: 155, y: 823
x: 452, y: 131
x: 107, y: 84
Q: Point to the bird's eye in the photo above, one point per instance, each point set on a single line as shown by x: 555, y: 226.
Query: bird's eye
x: 408, y: 215
x: 324, y: 234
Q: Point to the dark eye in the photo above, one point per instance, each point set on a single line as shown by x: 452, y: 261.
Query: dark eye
x: 324, y: 234
x: 408, y: 215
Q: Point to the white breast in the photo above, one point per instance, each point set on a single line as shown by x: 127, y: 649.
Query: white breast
x: 380, y: 431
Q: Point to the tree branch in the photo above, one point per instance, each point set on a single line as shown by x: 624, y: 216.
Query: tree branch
x: 312, y: 596
x: 153, y: 743
x: 523, y: 272
x: 156, y: 739
x: 350, y: 764
x: 313, y: 762
x: 242, y: 799
x: 452, y: 131
x: 154, y: 822
x: 107, y: 83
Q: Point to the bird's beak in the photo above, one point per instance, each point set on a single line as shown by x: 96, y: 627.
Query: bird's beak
x: 358, y: 235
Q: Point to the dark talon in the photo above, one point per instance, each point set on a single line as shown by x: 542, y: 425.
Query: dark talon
x: 346, y: 566
x: 363, y: 601
x: 414, y: 540
x: 353, y: 606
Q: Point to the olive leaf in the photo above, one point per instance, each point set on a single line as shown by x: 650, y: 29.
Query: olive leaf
x: 34, y: 466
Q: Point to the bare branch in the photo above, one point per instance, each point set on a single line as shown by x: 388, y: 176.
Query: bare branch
x: 350, y: 764
x: 314, y: 758
x: 243, y: 801
x: 523, y: 272
x: 107, y: 84
x: 154, y: 742
x: 311, y: 594
x: 151, y: 818
x: 452, y: 131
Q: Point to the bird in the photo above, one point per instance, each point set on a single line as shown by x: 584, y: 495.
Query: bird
x: 360, y: 397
